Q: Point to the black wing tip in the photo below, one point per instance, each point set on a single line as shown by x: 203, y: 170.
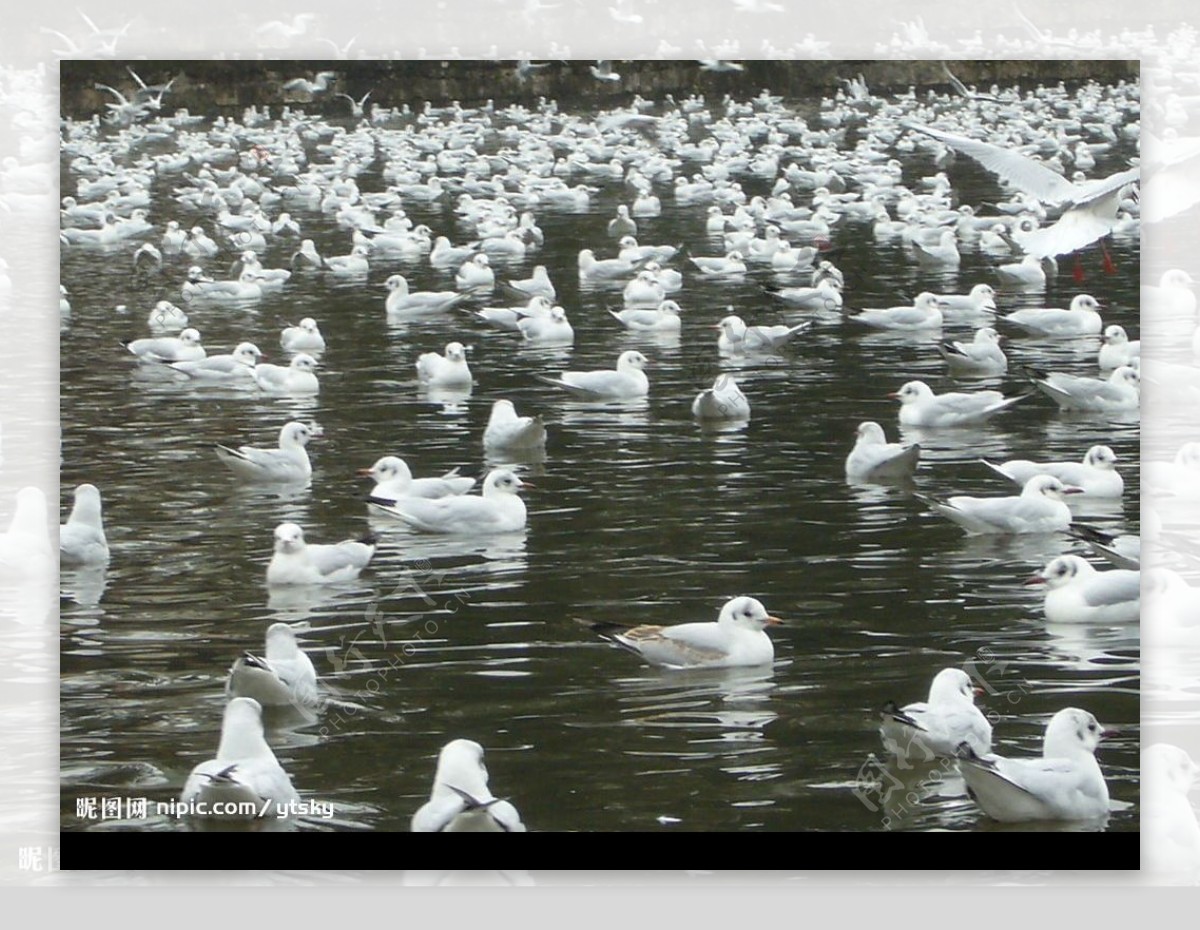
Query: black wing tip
x: 370, y: 539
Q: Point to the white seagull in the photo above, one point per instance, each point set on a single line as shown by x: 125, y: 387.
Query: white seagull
x: 936, y: 727
x: 498, y: 510
x: 628, y: 380
x: 1038, y: 509
x: 461, y: 801
x: 507, y: 431
x: 286, y: 464
x: 737, y: 638
x: 394, y: 482
x: 723, y: 401
x: 283, y: 675
x: 298, y: 562
x: 1077, y: 593
x: 449, y: 370
x: 919, y: 406
x: 1065, y: 784
x: 245, y: 781
x: 1082, y: 318
x: 874, y: 457
x: 81, y: 540
x: 1095, y: 476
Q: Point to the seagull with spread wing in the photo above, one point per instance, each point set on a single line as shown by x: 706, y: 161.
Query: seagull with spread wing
x: 1090, y: 206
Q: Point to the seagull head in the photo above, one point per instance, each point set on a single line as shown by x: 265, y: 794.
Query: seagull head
x: 289, y: 538
x: 747, y: 612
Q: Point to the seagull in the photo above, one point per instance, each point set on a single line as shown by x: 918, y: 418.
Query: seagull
x: 925, y: 313
x: 298, y: 562
x: 539, y: 284
x: 297, y: 377
x: 552, y: 329
x: 736, y: 337
x: 318, y: 85
x: 919, y: 406
x: 394, y: 482
x: 1064, y: 784
x: 356, y: 106
x: 981, y: 357
x: 405, y: 304
x: 944, y: 253
x: 627, y: 381
x: 182, y: 348
x: 507, y: 431
x: 622, y: 225
x: 237, y: 366
x: 449, y: 370
x: 1091, y: 206
x: 287, y: 463
x: 498, y: 510
x: 737, y: 638
x: 959, y: 307
x: 602, y: 71
x: 245, y: 781
x: 719, y: 65
x: 525, y: 69
x: 1077, y: 593
x: 283, y: 676
x: 461, y: 801
x: 81, y: 539
x: 936, y: 727
x: 305, y: 337
x: 1121, y: 391
x: 1038, y: 509
x: 25, y: 547
x: 723, y: 401
x: 874, y: 457
x: 1082, y: 318
x: 1095, y: 476
x: 661, y: 319
x: 1118, y: 349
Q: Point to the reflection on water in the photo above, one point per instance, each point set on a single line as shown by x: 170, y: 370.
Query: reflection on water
x: 640, y: 514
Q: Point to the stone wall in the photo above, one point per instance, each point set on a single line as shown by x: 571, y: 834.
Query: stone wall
x: 211, y: 87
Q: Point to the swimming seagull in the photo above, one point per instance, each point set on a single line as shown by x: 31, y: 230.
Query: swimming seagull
x: 449, y: 370
x: 737, y: 638
x: 318, y: 85
x: 283, y: 675
x: 1038, y: 509
x: 306, y: 337
x: 498, y: 510
x: 736, y: 337
x: 874, y: 457
x: 287, y: 463
x: 1095, y: 476
x: 919, y: 406
x: 1119, y: 393
x: 296, y: 562
x: 394, y: 481
x: 182, y: 348
x: 1077, y: 593
x: 245, y: 781
x: 1081, y: 318
x: 507, y: 431
x: 297, y: 377
x: 628, y: 380
x: 980, y: 357
x: 461, y: 801
x: 1065, y: 784
x: 1091, y: 206
x: 936, y: 727
x: 81, y: 540
x: 723, y: 401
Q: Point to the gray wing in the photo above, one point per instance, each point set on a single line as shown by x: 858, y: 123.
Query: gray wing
x: 1022, y: 172
x: 1113, y: 587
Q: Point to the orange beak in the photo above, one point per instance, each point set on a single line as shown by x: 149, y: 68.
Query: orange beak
x: 1035, y: 579
x: 773, y: 621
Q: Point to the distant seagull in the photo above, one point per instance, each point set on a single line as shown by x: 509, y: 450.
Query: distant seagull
x: 318, y: 85
x: 602, y: 71
x: 526, y: 69
x: 356, y: 106
x: 962, y: 90
x: 717, y: 64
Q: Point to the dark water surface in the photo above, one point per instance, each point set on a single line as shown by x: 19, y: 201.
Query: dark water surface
x: 638, y: 515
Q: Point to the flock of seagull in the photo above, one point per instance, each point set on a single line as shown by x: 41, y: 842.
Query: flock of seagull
x: 252, y: 182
